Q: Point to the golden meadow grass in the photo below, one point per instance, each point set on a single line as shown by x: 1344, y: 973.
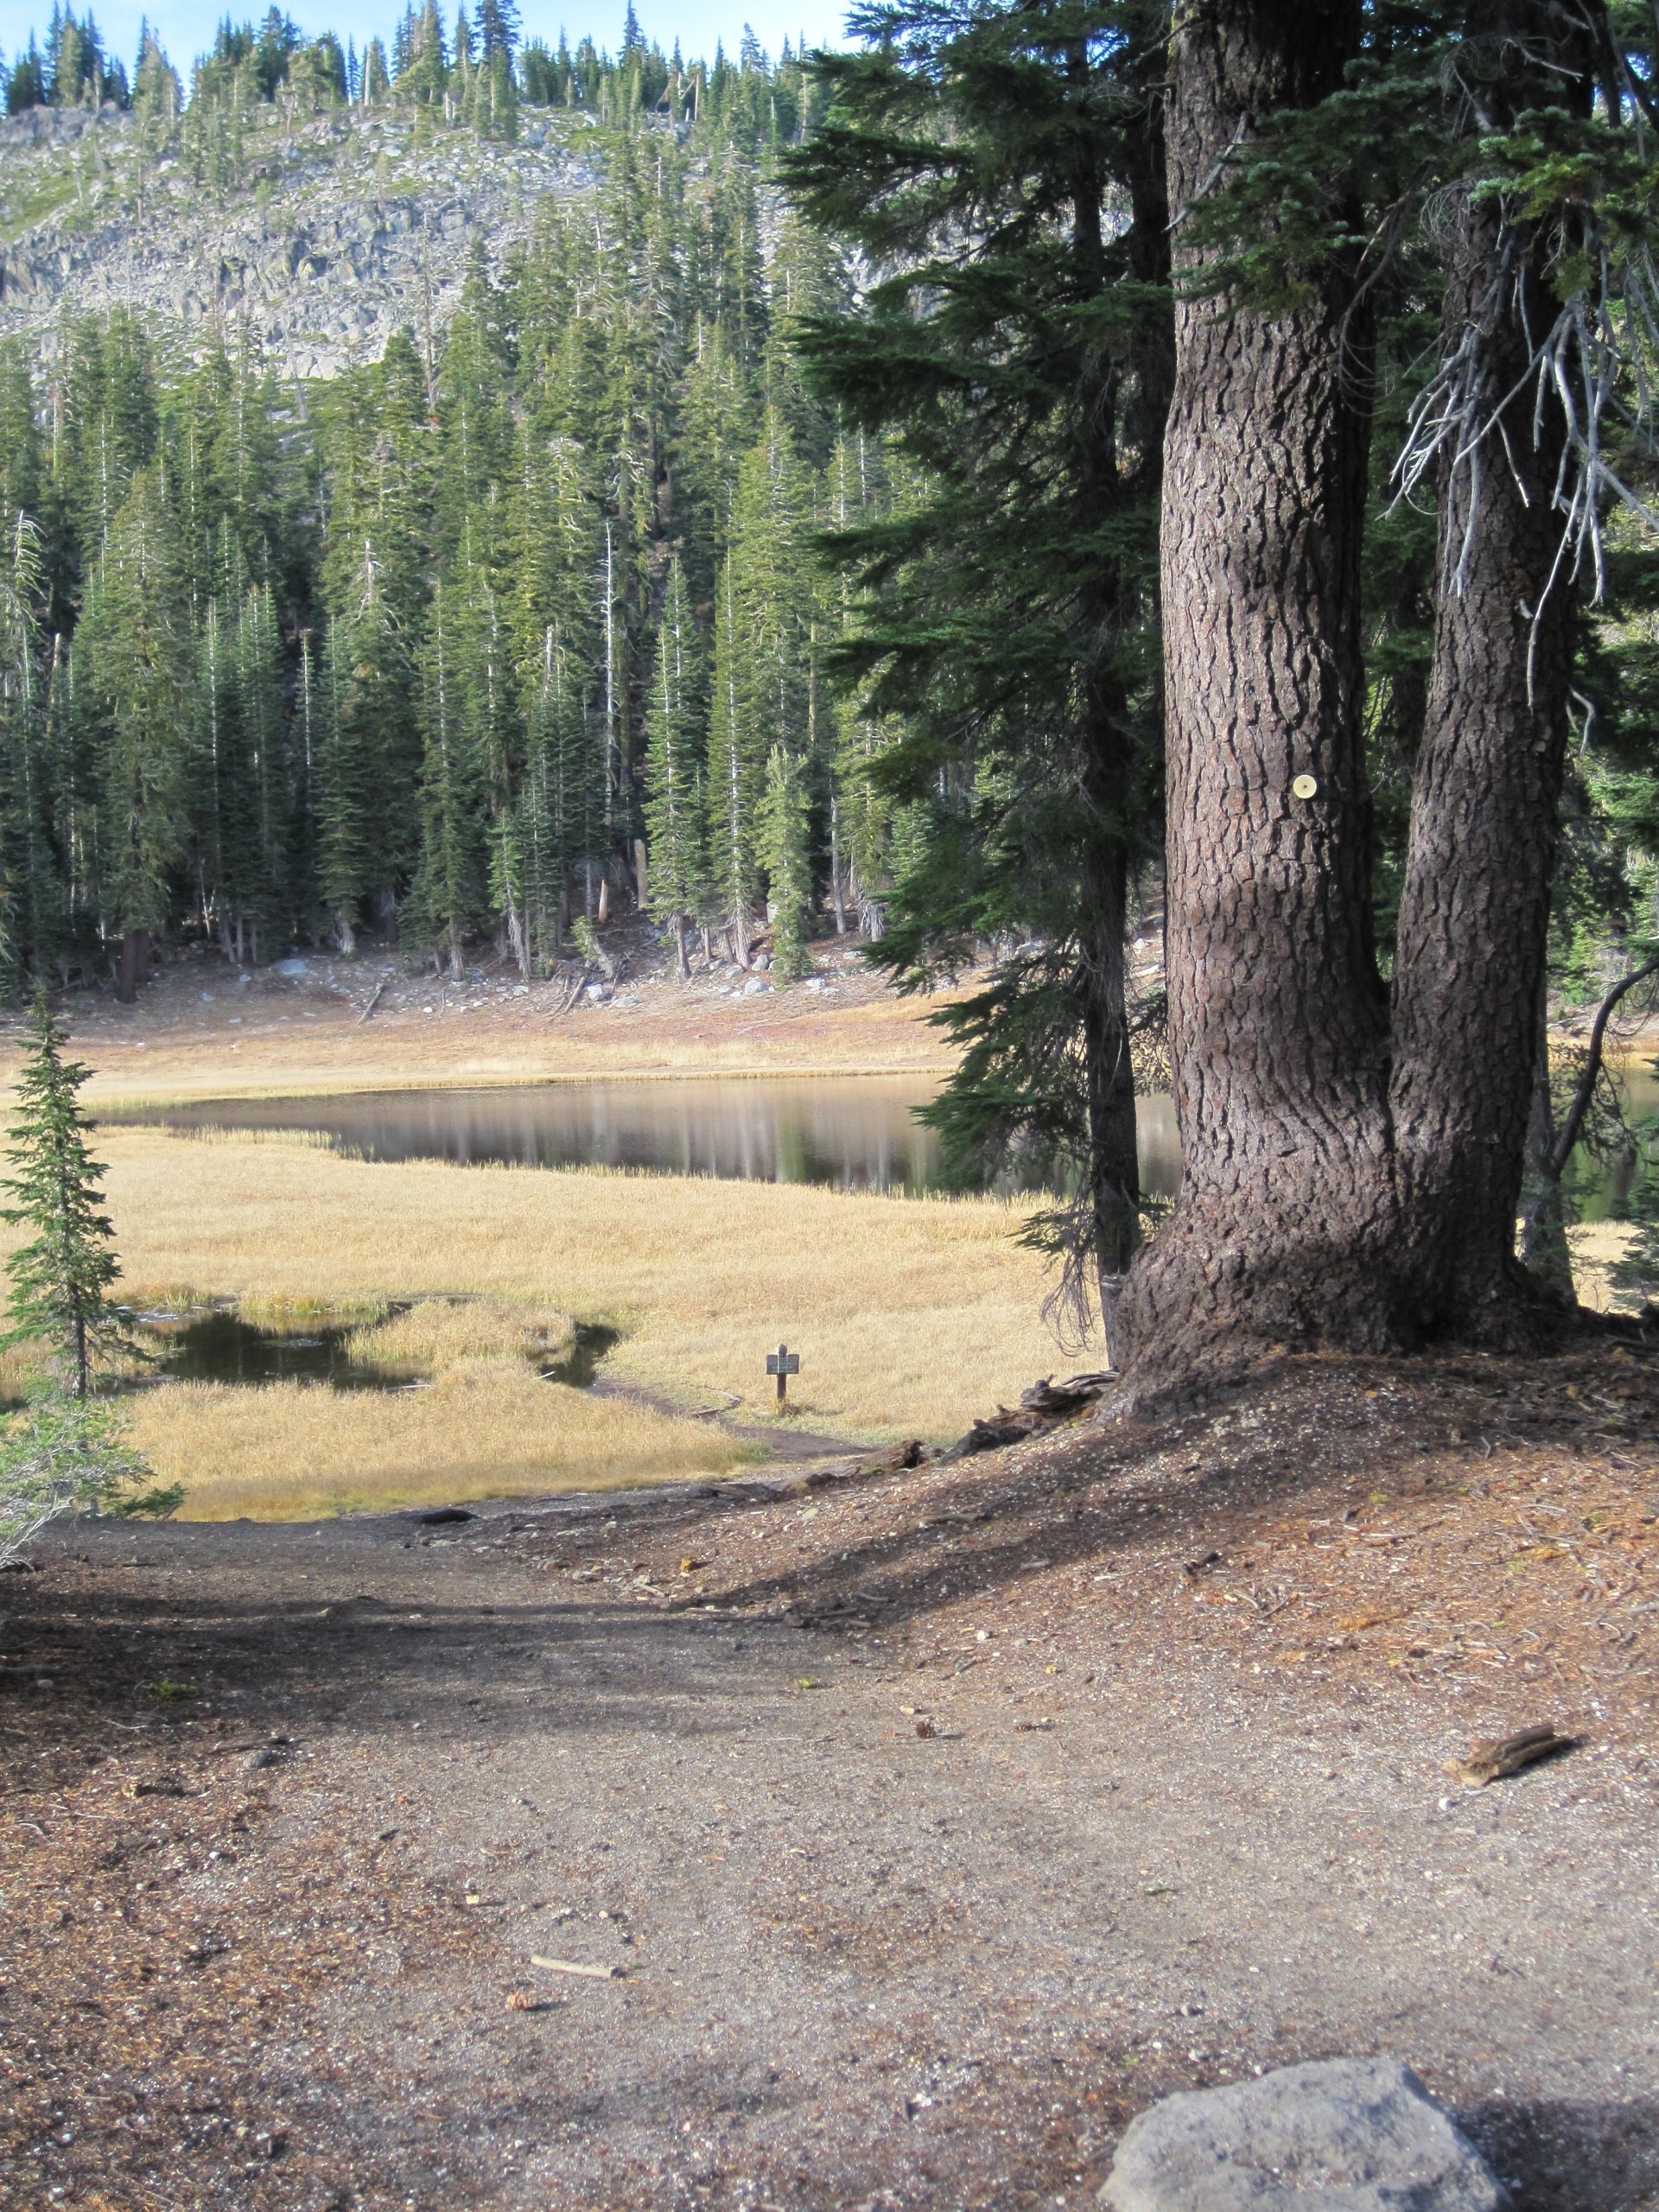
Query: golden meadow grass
x: 481, y: 1428
x: 912, y: 1315
x: 441, y: 1331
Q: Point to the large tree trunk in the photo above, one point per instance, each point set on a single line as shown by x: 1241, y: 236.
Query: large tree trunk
x: 1474, y: 914
x: 1277, y: 1017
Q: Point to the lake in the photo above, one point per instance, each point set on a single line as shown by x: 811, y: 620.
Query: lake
x: 857, y: 1133
x: 854, y: 1133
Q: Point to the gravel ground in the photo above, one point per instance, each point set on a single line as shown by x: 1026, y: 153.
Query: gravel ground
x: 936, y: 1821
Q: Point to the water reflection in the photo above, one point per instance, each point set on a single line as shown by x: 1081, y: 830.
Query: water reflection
x: 220, y: 1347
x: 850, y: 1132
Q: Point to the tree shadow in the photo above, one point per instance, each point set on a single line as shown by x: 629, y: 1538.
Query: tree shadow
x: 1570, y: 2154
x: 1114, y: 1493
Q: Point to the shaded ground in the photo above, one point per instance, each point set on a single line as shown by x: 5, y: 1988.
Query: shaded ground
x: 938, y: 1820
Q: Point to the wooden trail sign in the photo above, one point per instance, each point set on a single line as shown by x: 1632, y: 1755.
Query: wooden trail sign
x: 783, y: 1363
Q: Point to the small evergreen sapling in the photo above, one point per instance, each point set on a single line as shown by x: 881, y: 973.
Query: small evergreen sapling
x: 60, y: 1279
x: 64, y: 1452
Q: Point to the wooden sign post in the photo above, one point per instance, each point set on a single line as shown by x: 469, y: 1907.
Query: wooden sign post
x: 783, y: 1363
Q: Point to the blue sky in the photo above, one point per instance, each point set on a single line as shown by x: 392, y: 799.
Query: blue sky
x: 187, y: 26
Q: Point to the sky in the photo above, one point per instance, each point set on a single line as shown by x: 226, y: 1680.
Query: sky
x: 187, y: 26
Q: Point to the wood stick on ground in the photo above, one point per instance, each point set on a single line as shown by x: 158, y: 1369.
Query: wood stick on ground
x: 570, y: 1965
x: 379, y: 992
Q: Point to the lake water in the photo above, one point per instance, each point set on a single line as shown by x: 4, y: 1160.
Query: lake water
x: 851, y: 1132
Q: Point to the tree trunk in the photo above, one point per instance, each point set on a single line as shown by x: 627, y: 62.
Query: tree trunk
x: 135, y: 964
x: 1112, y: 750
x: 1474, y: 914
x: 834, y: 866
x: 1114, y: 1162
x: 1277, y: 1018
x: 679, y: 948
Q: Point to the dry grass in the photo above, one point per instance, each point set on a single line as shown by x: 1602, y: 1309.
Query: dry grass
x: 441, y: 1331
x: 910, y: 1316
x: 1597, y: 1247
x: 482, y: 1428
x: 280, y: 1037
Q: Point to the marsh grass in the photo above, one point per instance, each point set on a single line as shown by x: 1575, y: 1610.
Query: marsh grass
x: 912, y: 1315
x: 487, y: 1427
x: 438, y: 1331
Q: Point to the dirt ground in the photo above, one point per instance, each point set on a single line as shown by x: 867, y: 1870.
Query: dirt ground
x: 936, y: 1820
x: 201, y: 1029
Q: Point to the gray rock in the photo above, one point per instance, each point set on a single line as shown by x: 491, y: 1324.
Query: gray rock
x: 1345, y: 2134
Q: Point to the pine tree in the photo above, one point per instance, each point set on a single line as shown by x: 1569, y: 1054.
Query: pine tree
x: 785, y: 855
x: 134, y: 665
x: 673, y: 770
x: 1016, y: 354
x: 61, y: 1278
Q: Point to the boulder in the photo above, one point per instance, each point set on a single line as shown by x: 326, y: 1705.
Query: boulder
x: 1342, y: 2134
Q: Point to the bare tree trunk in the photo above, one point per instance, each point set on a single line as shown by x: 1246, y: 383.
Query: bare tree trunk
x: 135, y: 964
x: 679, y: 948
x: 1474, y: 913
x: 835, y: 864
x: 1277, y: 1017
x: 1108, y: 1076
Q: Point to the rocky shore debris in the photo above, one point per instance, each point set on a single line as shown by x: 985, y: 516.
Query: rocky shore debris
x: 1347, y: 2134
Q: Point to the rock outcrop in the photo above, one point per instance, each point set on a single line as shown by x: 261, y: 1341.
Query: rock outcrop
x: 341, y: 228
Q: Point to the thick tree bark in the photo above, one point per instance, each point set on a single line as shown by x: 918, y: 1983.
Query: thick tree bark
x: 1474, y: 914
x: 1351, y: 1177
x: 1278, y: 1020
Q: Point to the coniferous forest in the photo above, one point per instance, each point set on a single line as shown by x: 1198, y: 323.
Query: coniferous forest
x: 782, y: 539
x: 426, y: 650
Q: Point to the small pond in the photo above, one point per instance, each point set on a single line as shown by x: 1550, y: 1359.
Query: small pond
x: 220, y: 1347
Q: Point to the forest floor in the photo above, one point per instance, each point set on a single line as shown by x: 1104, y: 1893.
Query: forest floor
x: 201, y: 1029
x: 935, y: 1820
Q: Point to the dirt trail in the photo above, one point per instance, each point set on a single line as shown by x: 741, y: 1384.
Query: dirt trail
x: 936, y: 1822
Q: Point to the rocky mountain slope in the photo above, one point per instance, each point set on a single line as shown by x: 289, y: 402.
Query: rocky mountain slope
x: 340, y: 228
